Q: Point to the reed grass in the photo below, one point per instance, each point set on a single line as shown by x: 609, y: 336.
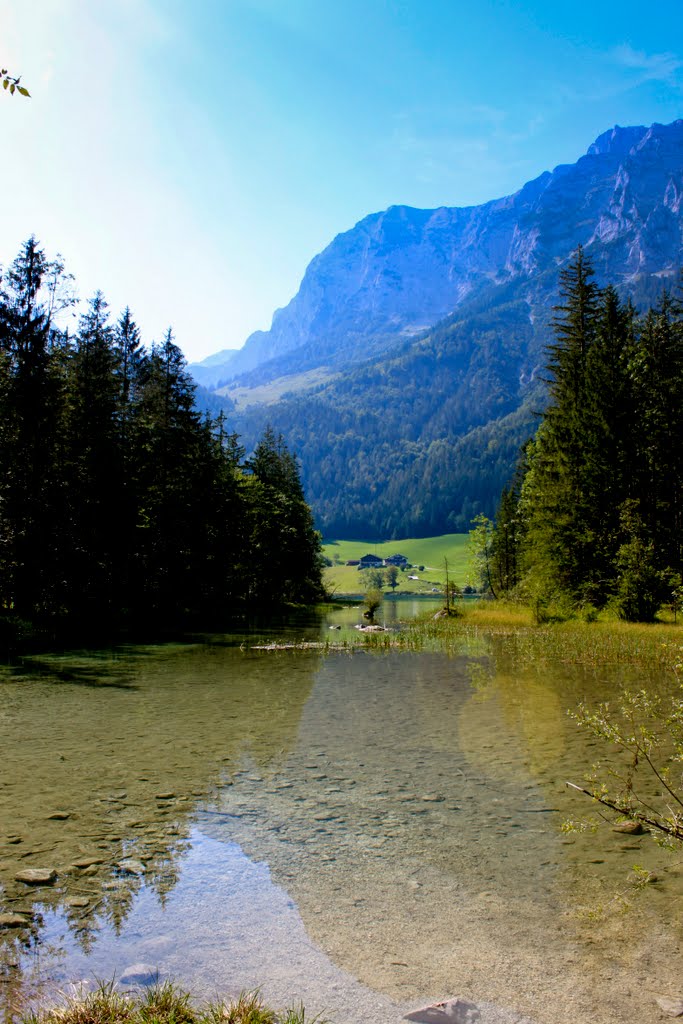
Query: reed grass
x: 606, y: 641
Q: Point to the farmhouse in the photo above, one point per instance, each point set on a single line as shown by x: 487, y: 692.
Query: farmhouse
x: 371, y: 562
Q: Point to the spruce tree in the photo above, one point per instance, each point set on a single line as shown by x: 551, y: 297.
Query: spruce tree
x: 96, y: 469
x: 560, y: 525
x: 285, y: 560
x: 35, y: 290
x: 657, y: 373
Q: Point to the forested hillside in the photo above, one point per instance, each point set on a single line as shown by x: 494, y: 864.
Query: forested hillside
x: 420, y: 443
x: 119, y: 503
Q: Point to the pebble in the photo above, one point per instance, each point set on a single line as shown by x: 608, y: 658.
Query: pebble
x: 59, y: 816
x: 36, y: 876
x: 87, y: 862
x: 14, y: 921
x: 165, y: 796
x: 140, y: 974
x: 674, y: 1007
x: 451, y: 1011
x: 629, y: 828
x: 77, y: 901
x: 131, y: 867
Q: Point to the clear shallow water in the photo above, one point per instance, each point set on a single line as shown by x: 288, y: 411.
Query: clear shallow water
x: 361, y: 831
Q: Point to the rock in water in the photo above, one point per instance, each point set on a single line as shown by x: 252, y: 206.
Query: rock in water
x: 14, y: 921
x: 140, y: 974
x: 87, y: 862
x: 37, y: 876
x: 629, y: 828
x: 77, y: 902
x: 451, y: 1011
x: 131, y: 867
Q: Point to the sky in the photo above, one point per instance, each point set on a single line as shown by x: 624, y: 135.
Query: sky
x: 190, y: 157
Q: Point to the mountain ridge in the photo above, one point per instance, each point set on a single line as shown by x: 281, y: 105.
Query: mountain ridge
x: 431, y: 327
x: 399, y: 271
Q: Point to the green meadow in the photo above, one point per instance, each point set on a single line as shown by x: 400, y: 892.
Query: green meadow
x: 427, y: 551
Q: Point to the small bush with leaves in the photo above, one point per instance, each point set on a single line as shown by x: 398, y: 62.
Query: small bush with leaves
x: 646, y: 730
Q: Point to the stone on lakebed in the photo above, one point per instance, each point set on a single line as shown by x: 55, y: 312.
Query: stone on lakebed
x: 87, y: 862
x: 131, y: 867
x: 451, y: 1011
x: 36, y: 876
x: 629, y: 828
x: 14, y: 920
x: 674, y: 1007
x: 140, y: 974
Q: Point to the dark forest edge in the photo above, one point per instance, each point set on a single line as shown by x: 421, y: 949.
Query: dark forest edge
x: 592, y: 520
x: 121, y: 506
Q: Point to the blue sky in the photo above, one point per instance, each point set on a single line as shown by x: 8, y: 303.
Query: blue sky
x: 190, y: 158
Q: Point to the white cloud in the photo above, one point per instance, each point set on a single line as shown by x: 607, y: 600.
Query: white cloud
x: 649, y: 67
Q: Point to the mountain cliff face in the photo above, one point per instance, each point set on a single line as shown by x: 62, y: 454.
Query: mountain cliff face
x: 406, y: 371
x: 399, y: 272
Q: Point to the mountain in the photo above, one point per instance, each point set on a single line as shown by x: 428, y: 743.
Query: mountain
x: 405, y: 372
x: 211, y: 372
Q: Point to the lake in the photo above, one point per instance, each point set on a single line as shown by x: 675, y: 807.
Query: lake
x: 361, y: 831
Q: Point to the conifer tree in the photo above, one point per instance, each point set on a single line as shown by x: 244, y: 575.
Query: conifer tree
x: 284, y: 546
x: 658, y: 383
x: 559, y: 528
x: 167, y: 456
x: 96, y: 476
x: 610, y: 415
x: 35, y: 289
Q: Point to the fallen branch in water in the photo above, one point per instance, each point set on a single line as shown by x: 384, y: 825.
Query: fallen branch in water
x: 304, y: 645
x: 667, y: 828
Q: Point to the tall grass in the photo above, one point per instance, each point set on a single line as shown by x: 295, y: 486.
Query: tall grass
x: 164, y: 1003
x: 607, y: 641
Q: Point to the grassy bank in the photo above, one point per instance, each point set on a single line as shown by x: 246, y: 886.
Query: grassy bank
x: 162, y: 1004
x: 429, y: 552
x: 607, y: 641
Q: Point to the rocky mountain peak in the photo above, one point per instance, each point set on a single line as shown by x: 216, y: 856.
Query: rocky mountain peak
x: 400, y: 271
x: 617, y: 140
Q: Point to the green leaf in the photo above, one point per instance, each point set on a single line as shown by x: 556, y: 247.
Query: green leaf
x: 12, y: 88
x: 24, y: 92
x: 5, y: 83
